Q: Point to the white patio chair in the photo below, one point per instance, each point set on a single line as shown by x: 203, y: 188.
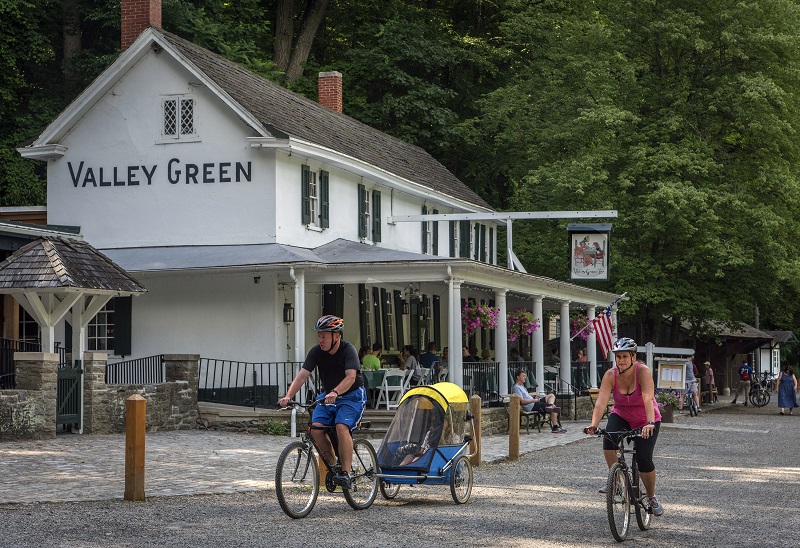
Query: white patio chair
x: 393, y: 387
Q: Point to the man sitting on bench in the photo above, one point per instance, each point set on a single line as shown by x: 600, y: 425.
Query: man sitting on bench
x: 531, y: 403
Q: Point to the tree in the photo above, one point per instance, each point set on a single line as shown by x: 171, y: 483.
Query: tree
x: 290, y: 54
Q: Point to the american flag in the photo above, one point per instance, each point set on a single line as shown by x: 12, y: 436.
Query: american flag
x: 603, y: 327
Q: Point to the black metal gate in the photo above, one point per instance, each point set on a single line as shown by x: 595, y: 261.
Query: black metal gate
x: 68, y: 398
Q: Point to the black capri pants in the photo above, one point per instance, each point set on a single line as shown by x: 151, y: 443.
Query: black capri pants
x: 644, y: 447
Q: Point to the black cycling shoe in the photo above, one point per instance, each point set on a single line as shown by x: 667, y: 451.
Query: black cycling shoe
x: 343, y: 479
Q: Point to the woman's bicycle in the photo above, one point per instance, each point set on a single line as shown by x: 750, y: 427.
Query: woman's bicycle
x: 624, y: 487
x: 297, y: 478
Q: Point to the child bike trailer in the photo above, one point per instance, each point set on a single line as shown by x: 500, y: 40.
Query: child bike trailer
x: 428, y: 442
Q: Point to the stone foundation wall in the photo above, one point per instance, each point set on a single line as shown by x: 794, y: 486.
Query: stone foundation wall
x: 29, y: 411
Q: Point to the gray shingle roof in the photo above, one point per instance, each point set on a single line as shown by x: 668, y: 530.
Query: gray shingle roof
x: 59, y: 263
x: 291, y: 114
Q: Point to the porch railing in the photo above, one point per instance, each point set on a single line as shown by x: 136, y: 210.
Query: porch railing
x: 256, y: 384
x: 148, y: 370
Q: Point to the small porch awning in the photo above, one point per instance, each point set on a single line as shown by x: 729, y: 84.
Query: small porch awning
x: 52, y: 276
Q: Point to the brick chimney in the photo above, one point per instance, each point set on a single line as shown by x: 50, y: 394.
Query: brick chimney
x: 330, y: 90
x: 137, y: 15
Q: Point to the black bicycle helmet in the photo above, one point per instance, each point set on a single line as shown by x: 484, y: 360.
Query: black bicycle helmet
x: 330, y: 324
x: 624, y: 345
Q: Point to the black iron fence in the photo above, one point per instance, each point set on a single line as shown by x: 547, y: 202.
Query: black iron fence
x: 148, y: 370
x: 7, y: 349
x: 249, y: 383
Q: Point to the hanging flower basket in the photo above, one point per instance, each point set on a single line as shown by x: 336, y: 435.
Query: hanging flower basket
x: 580, y: 327
x: 521, y: 323
x: 474, y: 317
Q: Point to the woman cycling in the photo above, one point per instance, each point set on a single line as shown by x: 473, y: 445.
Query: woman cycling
x: 634, y: 407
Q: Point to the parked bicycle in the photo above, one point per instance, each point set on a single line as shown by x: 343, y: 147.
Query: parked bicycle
x: 759, y: 396
x: 624, y: 487
x: 297, y: 478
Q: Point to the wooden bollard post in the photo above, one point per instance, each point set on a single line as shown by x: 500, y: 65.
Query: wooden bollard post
x: 475, y: 444
x: 135, y: 413
x: 513, y: 427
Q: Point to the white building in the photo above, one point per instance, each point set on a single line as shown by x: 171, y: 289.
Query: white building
x: 234, y: 200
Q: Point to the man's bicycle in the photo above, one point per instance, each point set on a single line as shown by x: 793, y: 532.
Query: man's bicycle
x: 759, y: 396
x: 694, y: 410
x: 297, y: 478
x: 624, y: 487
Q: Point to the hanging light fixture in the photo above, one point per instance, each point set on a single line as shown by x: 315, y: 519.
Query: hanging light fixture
x: 288, y: 313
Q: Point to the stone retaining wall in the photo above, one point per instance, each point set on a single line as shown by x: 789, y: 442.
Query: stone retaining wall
x: 29, y: 411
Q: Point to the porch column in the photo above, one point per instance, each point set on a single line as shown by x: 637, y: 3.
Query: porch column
x: 456, y: 365
x: 564, y: 354
x: 300, y: 327
x: 591, y: 350
x: 538, y: 343
x: 501, y: 339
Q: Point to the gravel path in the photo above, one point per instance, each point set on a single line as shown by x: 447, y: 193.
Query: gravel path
x: 727, y: 478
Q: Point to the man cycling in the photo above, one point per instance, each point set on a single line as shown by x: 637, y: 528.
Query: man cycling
x: 344, y: 398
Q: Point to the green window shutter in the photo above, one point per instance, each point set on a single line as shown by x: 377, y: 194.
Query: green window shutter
x: 332, y: 300
x: 362, y: 314
x: 491, y: 246
x: 424, y: 232
x: 476, y: 242
x: 437, y: 321
x: 305, y: 205
x: 376, y: 216
x: 398, y: 318
x: 385, y: 318
x: 122, y: 325
x: 324, y: 199
x: 362, y: 213
x: 463, y: 239
x: 452, y: 225
x: 376, y: 314
x: 482, y: 248
x: 435, y: 234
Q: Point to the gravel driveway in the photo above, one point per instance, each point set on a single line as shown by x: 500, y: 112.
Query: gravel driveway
x: 727, y: 478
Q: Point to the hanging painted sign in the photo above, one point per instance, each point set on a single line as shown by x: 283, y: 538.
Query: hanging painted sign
x: 589, y: 251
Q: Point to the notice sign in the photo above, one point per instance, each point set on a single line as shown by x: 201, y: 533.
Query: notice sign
x: 670, y: 375
x: 589, y: 251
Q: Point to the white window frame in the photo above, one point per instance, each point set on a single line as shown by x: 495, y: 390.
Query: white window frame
x: 181, y: 104
x: 95, y: 341
x: 313, y: 199
x: 367, y: 215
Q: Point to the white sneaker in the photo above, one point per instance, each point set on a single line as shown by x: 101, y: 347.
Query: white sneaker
x: 658, y: 510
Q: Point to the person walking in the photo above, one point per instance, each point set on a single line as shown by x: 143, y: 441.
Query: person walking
x: 745, y: 375
x: 787, y: 390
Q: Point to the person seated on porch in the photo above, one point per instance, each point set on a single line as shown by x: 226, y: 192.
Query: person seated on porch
x: 531, y: 403
x: 486, y: 355
x: 514, y: 356
x: 429, y: 358
x: 411, y: 361
x: 370, y: 361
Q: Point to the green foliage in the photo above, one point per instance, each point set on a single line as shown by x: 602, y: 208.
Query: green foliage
x: 274, y: 428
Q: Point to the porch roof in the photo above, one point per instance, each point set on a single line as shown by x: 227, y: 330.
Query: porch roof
x: 343, y: 261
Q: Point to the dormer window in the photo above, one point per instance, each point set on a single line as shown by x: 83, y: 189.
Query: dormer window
x: 178, y: 118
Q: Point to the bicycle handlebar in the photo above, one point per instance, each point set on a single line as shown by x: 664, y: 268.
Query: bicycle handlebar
x: 600, y: 432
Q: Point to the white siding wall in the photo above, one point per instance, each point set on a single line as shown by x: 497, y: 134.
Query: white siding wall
x: 122, y: 130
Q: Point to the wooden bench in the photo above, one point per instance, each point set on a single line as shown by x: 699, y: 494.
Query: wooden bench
x: 528, y: 416
x: 593, y: 393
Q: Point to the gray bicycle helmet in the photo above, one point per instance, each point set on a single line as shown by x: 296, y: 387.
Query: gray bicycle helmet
x: 624, y: 345
x: 330, y: 324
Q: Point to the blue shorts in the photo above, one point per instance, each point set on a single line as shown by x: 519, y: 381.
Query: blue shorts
x: 348, y: 409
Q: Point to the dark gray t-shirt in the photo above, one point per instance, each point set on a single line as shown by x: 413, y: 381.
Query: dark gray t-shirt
x: 332, y: 367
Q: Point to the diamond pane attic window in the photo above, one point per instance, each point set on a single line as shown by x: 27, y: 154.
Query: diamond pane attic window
x: 178, y: 118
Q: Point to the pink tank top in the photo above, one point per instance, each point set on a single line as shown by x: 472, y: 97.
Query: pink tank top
x: 631, y: 407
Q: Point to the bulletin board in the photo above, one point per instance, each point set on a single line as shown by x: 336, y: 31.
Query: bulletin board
x: 671, y: 374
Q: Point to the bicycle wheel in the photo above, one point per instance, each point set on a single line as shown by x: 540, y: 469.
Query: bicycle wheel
x: 761, y: 399
x: 363, y: 478
x: 618, y: 502
x: 692, y: 406
x: 297, y: 480
x: 461, y: 480
x: 641, y: 505
x: 389, y: 490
